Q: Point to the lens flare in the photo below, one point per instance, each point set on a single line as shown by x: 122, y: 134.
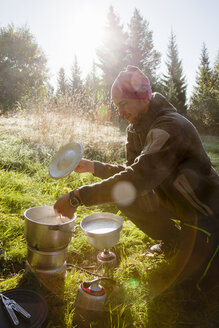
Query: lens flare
x: 124, y: 193
x: 133, y: 283
x: 103, y: 113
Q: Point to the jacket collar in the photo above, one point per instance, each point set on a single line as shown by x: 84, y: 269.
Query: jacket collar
x: 157, y: 107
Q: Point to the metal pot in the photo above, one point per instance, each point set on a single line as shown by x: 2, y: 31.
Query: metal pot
x: 46, y: 261
x: 102, y: 229
x: 46, y: 237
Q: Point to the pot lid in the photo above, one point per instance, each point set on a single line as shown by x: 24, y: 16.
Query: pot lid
x: 32, y: 302
x: 66, y: 160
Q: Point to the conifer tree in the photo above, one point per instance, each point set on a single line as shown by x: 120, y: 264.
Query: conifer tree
x: 112, y: 54
x: 91, y: 91
x: 204, y: 74
x: 63, y: 87
x: 76, y: 82
x: 76, y: 89
x: 204, y: 106
x: 92, y: 83
x: 215, y: 91
x: 141, y: 52
x: 174, y: 85
x: 215, y: 76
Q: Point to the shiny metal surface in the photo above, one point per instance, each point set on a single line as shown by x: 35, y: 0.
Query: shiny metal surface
x: 45, y: 261
x: 102, y: 229
x: 60, y: 271
x: 88, y: 301
x: 46, y: 237
x: 11, y: 306
x: 66, y: 160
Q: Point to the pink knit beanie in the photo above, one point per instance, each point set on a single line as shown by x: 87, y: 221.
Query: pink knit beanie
x: 131, y: 84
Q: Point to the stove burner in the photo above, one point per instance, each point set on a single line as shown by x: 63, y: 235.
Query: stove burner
x: 106, y: 257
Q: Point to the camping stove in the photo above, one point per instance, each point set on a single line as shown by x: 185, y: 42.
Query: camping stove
x: 106, y: 257
x: 103, y: 232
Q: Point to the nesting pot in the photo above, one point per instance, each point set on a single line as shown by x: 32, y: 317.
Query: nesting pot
x: 102, y: 229
x: 43, y: 236
x: 46, y: 261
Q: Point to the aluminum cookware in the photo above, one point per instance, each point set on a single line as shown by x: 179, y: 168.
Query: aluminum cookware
x: 102, y: 229
x: 45, y: 261
x: 41, y: 234
x: 66, y: 160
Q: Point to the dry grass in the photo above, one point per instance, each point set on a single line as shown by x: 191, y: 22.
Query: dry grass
x: 57, y: 126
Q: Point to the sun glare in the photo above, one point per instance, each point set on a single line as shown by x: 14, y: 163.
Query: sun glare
x: 88, y: 29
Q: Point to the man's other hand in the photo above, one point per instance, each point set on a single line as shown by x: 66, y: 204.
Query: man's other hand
x: 63, y: 207
x: 85, y: 165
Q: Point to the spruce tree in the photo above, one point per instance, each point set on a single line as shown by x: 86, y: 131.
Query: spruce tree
x: 214, y: 112
x: 76, y: 89
x: 174, y: 85
x: 92, y: 83
x: 76, y: 82
x: 204, y: 106
x: 141, y: 52
x: 215, y: 76
x: 204, y: 74
x: 63, y: 87
x: 91, y: 91
x: 112, y: 54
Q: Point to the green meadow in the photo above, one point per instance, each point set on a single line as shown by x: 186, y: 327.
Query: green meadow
x: 144, y: 294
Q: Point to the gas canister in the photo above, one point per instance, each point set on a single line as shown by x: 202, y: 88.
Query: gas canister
x: 89, y: 302
x: 91, y: 296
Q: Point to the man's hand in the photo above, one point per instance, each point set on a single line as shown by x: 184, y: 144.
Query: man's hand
x: 63, y: 207
x: 85, y: 166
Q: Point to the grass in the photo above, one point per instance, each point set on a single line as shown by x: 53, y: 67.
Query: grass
x: 140, y: 297
x: 211, y: 145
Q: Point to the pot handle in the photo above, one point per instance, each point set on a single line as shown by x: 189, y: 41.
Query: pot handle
x: 59, y: 227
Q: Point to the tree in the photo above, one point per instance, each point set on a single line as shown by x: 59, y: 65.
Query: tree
x: 92, y: 83
x: 99, y: 109
x: 215, y: 91
x: 141, y: 50
x: 112, y: 54
x: 215, y: 74
x: 63, y: 87
x: 204, y: 106
x: 77, y: 92
x: 23, y: 71
x: 174, y: 84
x: 76, y: 82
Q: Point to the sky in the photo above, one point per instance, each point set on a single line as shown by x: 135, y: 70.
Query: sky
x: 68, y: 28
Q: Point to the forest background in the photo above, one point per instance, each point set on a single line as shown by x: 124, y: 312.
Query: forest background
x: 24, y: 75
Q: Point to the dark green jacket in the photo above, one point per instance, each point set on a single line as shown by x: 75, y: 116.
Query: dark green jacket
x: 165, y: 154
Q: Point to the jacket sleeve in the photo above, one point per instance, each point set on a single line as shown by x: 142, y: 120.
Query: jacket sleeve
x: 131, y: 153
x: 160, y: 156
x: 104, y: 170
